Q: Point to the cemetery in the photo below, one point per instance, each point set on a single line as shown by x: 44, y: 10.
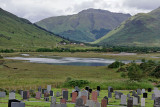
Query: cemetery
x: 80, y: 97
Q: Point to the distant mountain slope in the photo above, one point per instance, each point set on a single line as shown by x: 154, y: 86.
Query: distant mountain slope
x: 139, y: 30
x: 88, y: 25
x: 19, y: 33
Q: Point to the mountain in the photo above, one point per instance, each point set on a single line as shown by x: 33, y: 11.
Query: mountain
x: 142, y: 29
x: 86, y: 26
x: 19, y: 33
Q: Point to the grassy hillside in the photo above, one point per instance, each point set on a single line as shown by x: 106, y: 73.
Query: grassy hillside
x: 86, y: 26
x: 139, y: 30
x: 18, y: 33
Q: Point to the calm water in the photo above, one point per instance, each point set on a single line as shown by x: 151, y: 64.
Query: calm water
x: 68, y: 61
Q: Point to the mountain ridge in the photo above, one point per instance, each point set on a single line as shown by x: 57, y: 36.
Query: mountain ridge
x: 86, y: 26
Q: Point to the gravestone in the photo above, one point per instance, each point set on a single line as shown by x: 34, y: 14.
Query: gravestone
x: 133, y: 93
x: 149, y: 89
x: 63, y: 101
x: 25, y: 95
x: 28, y: 94
x: 117, y: 96
x: 106, y: 98
x: 63, y: 105
x: 71, y: 95
x: 48, y: 88
x: 46, y: 99
x: 84, y: 93
x: 44, y: 90
x: 130, y: 102
x: 138, y: 97
x: 38, y: 95
x: 143, y: 90
x: 135, y: 101
x: 17, y: 104
x: 74, y: 96
x: 144, y: 95
x: 109, y: 94
x: 94, y: 96
x: 87, y: 88
x: 157, y: 93
x: 90, y: 103
x: 58, y: 94
x: 139, y: 91
x: 128, y: 95
x: 157, y: 102
x: 13, y: 100
x: 98, y: 92
x: 84, y: 99
x: 142, y: 102
x: 12, y: 95
x: 79, y: 94
x: 111, y: 90
x: 46, y: 94
x: 123, y: 100
x: 51, y: 93
x: 97, y: 104
x: 79, y: 102
x: 65, y: 95
x: 98, y: 88
x: 77, y: 88
x: 22, y: 94
x: 53, y: 100
x: 39, y: 89
x: 153, y: 96
x: 2, y: 94
x: 90, y: 90
x: 20, y: 91
x: 104, y: 103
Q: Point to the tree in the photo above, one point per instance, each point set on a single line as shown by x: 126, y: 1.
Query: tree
x: 156, y: 72
x: 135, y: 73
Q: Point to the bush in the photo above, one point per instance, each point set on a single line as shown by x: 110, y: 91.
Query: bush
x: 156, y: 72
x: 73, y: 83
x: 122, y: 69
x: 116, y: 64
x: 123, y: 75
x: 135, y: 73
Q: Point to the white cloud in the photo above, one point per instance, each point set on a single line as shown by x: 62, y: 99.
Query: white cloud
x: 35, y: 10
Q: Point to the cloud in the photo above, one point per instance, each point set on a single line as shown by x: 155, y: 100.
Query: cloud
x: 35, y: 10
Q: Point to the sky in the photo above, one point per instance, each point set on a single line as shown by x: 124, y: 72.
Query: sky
x: 36, y: 10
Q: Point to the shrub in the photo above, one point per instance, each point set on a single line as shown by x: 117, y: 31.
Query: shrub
x: 156, y: 72
x: 123, y: 75
x: 79, y: 83
x: 135, y: 73
x: 116, y: 64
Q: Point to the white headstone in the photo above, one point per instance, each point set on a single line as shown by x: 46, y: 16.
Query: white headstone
x: 143, y: 90
x: 12, y: 95
x: 90, y: 103
x: 48, y: 88
x: 142, y: 102
x: 123, y: 99
x: 135, y: 101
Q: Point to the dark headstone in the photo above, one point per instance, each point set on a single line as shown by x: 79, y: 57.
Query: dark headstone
x: 106, y: 98
x: 87, y: 88
x: 130, y: 102
x: 90, y: 90
x: 25, y: 95
x: 98, y: 88
x: 12, y: 100
x: 51, y: 93
x: 144, y: 95
x: 46, y: 99
x: 65, y: 95
x: 149, y: 89
x: 157, y: 102
x: 39, y: 89
x: 79, y: 102
x: 71, y: 95
x: 44, y: 90
x: 111, y: 90
x: 109, y: 94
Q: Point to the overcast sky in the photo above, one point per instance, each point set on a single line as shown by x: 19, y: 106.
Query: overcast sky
x: 35, y: 10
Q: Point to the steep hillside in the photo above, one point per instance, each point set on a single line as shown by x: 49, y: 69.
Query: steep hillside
x: 19, y: 33
x: 142, y: 29
x: 88, y: 25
